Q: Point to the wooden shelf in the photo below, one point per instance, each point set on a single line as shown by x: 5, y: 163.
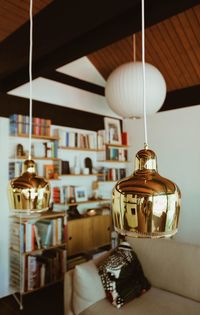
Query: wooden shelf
x: 38, y: 250
x: 37, y: 137
x: 43, y: 287
x: 77, y: 149
x: 83, y: 202
x: 35, y: 158
x: 66, y: 175
x: 113, y: 161
x: 39, y: 216
x: 107, y: 181
x: 116, y: 145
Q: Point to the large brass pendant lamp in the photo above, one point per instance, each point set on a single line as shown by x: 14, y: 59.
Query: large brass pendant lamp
x: 146, y: 204
x: 29, y: 192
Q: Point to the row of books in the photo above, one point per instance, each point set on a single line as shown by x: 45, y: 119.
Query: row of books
x: 31, y: 272
x: 111, y: 174
x: 19, y: 125
x: 51, y: 171
x: 14, y: 169
x: 76, y: 139
x: 27, y: 236
x: 118, y: 154
x: 69, y: 194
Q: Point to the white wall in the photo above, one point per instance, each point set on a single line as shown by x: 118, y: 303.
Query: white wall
x: 4, y: 218
x: 175, y: 137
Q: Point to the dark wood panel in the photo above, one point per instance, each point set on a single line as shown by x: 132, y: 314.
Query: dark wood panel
x: 182, y: 98
x: 78, y: 28
x: 59, y: 115
x: 14, y: 14
x: 69, y: 80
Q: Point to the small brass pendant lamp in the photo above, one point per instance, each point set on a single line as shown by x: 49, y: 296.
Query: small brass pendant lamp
x: 29, y: 192
x: 146, y: 204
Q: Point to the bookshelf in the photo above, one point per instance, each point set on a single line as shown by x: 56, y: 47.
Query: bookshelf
x: 83, y: 178
x: 38, y: 252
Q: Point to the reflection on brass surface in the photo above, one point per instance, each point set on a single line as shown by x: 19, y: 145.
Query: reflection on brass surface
x: 146, y: 204
x: 29, y: 192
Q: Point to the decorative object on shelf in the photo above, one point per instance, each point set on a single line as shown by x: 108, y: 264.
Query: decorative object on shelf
x: 88, y: 164
x: 113, y: 130
x: 80, y: 193
x: 65, y: 168
x: 91, y: 212
x: 47, y: 150
x: 124, y: 89
x: 95, y: 187
x: 146, y: 204
x: 29, y: 192
x: 50, y: 172
x: 77, y: 169
x: 86, y: 171
x: 73, y: 213
x: 20, y: 151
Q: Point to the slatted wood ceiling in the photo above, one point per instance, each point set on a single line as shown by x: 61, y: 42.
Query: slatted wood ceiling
x: 14, y: 13
x: 173, y: 46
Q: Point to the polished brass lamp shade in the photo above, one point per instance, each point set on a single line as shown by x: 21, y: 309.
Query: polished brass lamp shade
x: 29, y: 192
x: 146, y: 204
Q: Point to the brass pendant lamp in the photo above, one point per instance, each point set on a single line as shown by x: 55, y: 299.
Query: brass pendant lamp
x: 29, y: 193
x: 146, y: 204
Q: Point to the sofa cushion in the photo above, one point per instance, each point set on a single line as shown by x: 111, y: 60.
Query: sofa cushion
x: 122, y: 275
x: 155, y: 301
x: 87, y: 286
x: 170, y: 265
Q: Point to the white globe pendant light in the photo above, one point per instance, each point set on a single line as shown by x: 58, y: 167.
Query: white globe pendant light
x: 124, y: 90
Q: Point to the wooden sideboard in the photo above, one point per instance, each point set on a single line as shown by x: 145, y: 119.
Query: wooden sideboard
x: 88, y: 233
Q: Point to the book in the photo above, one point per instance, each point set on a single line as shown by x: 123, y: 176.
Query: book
x: 45, y: 232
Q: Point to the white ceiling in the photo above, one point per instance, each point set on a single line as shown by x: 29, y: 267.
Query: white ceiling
x: 68, y: 96
x: 83, y: 69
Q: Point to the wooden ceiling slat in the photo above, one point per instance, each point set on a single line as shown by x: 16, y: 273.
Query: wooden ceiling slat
x: 174, y: 57
x: 193, y: 43
x: 186, y: 23
x: 13, y: 14
x: 194, y: 23
x: 183, y: 58
x: 197, y: 12
x: 166, y: 56
x: 148, y: 56
x: 163, y: 66
x: 186, y: 48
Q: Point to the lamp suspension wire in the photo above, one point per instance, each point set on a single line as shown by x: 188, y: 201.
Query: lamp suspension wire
x: 144, y: 77
x: 134, y: 48
x: 30, y: 78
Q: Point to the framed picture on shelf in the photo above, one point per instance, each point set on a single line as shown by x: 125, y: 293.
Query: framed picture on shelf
x: 80, y: 193
x: 50, y: 171
x: 113, y: 130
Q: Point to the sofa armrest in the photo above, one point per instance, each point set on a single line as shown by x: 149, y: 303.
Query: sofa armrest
x: 68, y: 289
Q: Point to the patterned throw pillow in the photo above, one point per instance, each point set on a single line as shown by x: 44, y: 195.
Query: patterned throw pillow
x: 122, y: 275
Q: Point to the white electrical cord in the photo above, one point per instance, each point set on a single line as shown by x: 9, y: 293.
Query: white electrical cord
x: 134, y: 48
x: 144, y: 78
x: 30, y: 77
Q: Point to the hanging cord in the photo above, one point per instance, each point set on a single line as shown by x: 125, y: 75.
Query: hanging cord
x: 30, y: 77
x: 134, y: 48
x: 144, y: 79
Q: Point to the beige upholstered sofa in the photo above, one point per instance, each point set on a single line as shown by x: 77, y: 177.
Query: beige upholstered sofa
x: 174, y: 271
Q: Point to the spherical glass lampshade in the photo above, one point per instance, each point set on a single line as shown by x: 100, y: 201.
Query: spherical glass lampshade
x: 29, y: 193
x: 146, y: 204
x: 124, y: 90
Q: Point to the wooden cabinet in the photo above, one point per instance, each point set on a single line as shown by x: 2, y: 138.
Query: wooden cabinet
x: 88, y: 233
